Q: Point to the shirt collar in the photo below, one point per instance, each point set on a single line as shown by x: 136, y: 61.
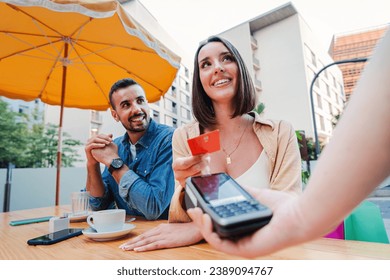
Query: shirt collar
x: 261, y: 120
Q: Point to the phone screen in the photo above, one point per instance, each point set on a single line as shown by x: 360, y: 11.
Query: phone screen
x: 55, y: 237
x: 218, y: 189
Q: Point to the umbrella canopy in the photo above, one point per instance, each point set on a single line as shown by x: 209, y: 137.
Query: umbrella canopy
x: 70, y: 52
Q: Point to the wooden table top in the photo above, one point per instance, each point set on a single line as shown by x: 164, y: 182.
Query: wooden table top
x: 13, y: 245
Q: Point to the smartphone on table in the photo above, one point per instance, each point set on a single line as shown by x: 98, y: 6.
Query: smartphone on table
x: 233, y: 210
x: 55, y: 237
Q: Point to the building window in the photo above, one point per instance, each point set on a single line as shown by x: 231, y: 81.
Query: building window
x: 330, y: 108
x: 156, y: 116
x: 339, y: 100
x: 327, y: 90
x: 341, y: 90
x: 322, y: 123
x: 185, y: 113
x: 182, y: 82
x: 23, y: 109
x: 170, y: 121
x: 170, y: 106
x: 186, y: 72
x: 184, y: 98
x: 96, y: 117
x: 319, y: 101
x: 173, y: 91
x: 310, y: 56
x: 174, y: 107
x: 334, y: 82
x: 94, y: 129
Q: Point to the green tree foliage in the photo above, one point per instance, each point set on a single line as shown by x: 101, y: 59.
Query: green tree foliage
x: 260, y: 108
x: 307, y: 150
x: 26, y: 142
x: 335, y: 119
x: 12, y: 144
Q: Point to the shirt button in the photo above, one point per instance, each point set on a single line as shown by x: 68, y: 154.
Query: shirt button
x: 145, y: 171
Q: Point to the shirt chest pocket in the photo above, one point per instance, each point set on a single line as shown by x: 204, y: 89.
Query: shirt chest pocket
x: 144, y: 169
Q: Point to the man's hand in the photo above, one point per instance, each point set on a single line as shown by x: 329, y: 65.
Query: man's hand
x: 97, y: 142
x: 106, y: 154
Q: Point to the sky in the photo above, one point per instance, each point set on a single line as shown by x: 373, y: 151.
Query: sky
x: 191, y: 21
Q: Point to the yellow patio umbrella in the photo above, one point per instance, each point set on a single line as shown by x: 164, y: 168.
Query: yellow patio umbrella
x: 70, y: 52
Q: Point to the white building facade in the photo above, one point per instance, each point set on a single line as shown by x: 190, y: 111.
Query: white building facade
x: 284, y: 55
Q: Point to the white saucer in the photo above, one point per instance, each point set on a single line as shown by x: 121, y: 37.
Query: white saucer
x: 105, y: 236
x: 78, y: 218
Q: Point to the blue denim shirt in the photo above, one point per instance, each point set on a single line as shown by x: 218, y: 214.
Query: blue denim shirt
x: 147, y: 188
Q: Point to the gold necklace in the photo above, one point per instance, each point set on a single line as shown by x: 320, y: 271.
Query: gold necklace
x: 228, y: 158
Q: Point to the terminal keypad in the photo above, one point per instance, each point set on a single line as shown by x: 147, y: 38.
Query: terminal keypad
x: 237, y: 208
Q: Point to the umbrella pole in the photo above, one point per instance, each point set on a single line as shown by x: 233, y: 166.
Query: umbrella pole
x: 59, y: 149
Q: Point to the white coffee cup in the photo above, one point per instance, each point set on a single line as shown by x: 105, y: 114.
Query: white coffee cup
x: 107, y: 220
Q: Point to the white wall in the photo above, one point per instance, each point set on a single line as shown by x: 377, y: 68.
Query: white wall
x: 282, y: 73
x: 35, y: 187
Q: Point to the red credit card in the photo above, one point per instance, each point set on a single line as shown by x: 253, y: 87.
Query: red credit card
x: 205, y: 143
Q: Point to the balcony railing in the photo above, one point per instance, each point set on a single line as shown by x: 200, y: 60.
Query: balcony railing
x: 258, y: 84
x: 256, y: 63
x: 253, y: 43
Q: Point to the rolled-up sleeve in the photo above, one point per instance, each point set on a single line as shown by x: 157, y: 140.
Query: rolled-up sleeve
x: 105, y: 201
x: 151, y: 197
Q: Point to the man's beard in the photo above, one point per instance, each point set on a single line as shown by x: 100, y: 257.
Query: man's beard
x: 137, y: 127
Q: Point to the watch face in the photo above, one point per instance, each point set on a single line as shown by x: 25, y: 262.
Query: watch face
x: 117, y: 163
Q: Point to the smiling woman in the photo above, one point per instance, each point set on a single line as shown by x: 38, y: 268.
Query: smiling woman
x: 224, y: 98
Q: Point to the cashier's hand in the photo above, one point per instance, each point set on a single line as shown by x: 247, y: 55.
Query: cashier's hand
x: 185, y: 167
x: 284, y: 229
x: 164, y: 236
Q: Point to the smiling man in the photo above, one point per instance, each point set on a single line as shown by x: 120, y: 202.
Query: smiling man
x: 138, y: 176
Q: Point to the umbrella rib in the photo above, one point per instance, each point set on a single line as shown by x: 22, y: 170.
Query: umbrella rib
x: 37, y: 23
x: 49, y: 74
x: 29, y: 49
x: 34, y: 18
x: 112, y: 62
x: 79, y: 30
x: 28, y: 34
x: 151, y: 51
x: 90, y: 73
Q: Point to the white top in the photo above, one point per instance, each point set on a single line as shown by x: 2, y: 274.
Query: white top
x: 257, y: 176
x: 133, y: 151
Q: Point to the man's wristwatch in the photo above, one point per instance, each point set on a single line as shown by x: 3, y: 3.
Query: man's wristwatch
x: 116, y: 164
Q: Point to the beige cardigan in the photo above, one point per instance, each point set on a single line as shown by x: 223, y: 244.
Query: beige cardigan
x: 279, y: 142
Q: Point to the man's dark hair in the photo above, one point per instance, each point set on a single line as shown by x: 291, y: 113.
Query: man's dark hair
x: 124, y: 83
x: 245, y: 98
